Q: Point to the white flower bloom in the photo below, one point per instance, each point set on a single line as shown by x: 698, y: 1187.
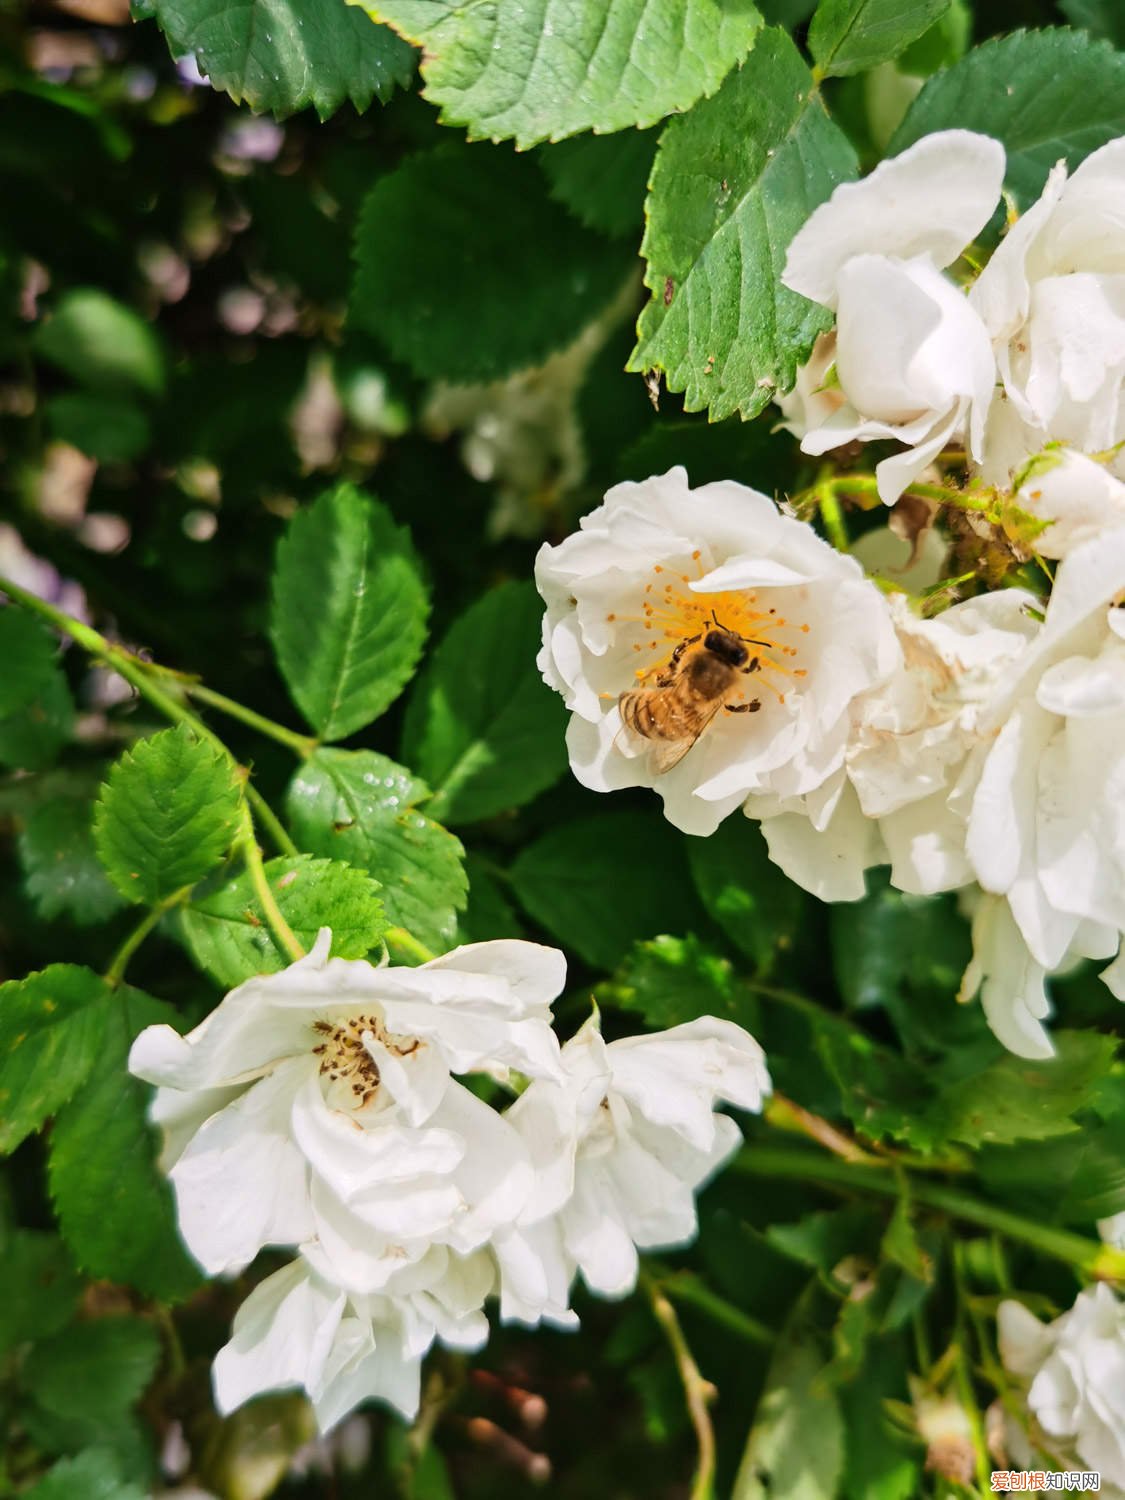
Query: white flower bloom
x: 815, y: 396
x: 913, y: 358
x: 296, y: 1329
x: 1077, y: 495
x: 896, y: 799
x: 1053, y: 299
x: 650, y: 570
x: 1046, y: 806
x: 1112, y: 1230
x: 316, y: 1107
x: 1076, y: 1369
x: 621, y: 1147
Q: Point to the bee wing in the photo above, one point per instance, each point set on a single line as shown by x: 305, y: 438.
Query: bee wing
x: 668, y: 755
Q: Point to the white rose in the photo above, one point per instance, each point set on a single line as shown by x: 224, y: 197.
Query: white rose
x: 1053, y: 300
x: 1078, y: 496
x: 621, y: 1147
x: 1076, y: 1369
x: 296, y: 1329
x: 895, y: 801
x: 1046, y: 812
x: 649, y: 572
x: 913, y: 359
x: 316, y: 1107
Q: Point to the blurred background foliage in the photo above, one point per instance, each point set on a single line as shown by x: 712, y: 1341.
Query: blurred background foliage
x: 207, y: 318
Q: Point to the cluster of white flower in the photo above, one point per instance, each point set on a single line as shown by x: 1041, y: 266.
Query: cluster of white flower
x: 1074, y: 1370
x: 717, y: 650
x: 319, y: 1109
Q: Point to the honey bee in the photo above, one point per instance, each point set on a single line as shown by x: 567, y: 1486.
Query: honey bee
x: 691, y: 690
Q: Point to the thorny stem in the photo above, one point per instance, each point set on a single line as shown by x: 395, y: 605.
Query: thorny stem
x: 269, y: 820
x: 784, y: 1114
x: 280, y: 928
x: 1097, y: 1260
x: 120, y: 960
x: 965, y: 1382
x: 398, y: 937
x: 302, y: 744
x: 699, y: 1392
x: 683, y: 1286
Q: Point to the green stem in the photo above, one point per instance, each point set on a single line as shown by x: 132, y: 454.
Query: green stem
x: 398, y: 937
x: 302, y: 744
x: 698, y: 1392
x: 682, y: 1286
x: 1101, y: 1261
x: 120, y: 960
x: 269, y: 820
x: 832, y: 515
x: 965, y: 1380
x: 286, y: 937
x: 123, y: 663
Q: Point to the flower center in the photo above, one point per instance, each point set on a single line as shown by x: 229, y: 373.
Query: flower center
x: 344, y: 1057
x: 672, y: 613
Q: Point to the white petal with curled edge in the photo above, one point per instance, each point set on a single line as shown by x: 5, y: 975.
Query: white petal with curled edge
x: 1012, y: 985
x: 241, y: 1182
x: 1001, y: 294
x: 1114, y: 976
x: 534, y: 974
x: 372, y: 1365
x: 1081, y: 688
x: 282, y: 1336
x: 1024, y: 1342
x: 495, y: 1177
x: 892, y: 211
x: 596, y: 1236
x: 179, y: 1114
x: 535, y: 1275
x: 831, y: 864
x: 675, y: 1077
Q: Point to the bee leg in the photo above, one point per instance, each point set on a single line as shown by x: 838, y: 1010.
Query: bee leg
x: 744, y: 708
x: 681, y: 648
x: 755, y: 666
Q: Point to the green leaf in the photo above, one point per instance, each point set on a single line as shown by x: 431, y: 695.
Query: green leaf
x: 823, y: 1239
x: 599, y: 884
x: 850, y: 36
x: 166, y: 815
x: 669, y: 980
x: 91, y: 1374
x: 114, y: 1207
x: 1015, y: 1099
x: 28, y: 651
x: 796, y: 1447
x: 51, y: 1033
x: 41, y: 1287
x: 882, y: 1464
x: 890, y: 942
x: 1069, y: 1179
x: 361, y: 807
x: 102, y: 344
x: 283, y: 55
x: 94, y: 1475
x: 476, y: 306
x: 32, y: 737
x: 1063, y: 95
x: 880, y: 1093
x: 602, y: 179
x: 109, y: 429
x: 745, y: 892
x: 229, y: 936
x: 61, y: 868
x: 482, y: 726
x: 552, y: 68
x: 733, y: 182
x: 348, y: 612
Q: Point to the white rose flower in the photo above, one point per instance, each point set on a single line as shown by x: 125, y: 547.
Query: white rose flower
x: 1076, y: 1369
x: 621, y: 1147
x: 896, y: 799
x: 632, y: 598
x: 316, y: 1107
x: 1053, y: 300
x: 1078, y: 496
x: 296, y: 1329
x: 914, y: 360
x: 815, y: 396
x: 1046, y: 805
